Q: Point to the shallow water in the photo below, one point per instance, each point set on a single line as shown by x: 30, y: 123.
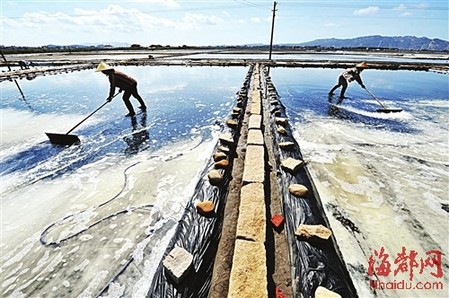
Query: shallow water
x: 383, y: 178
x: 72, y: 218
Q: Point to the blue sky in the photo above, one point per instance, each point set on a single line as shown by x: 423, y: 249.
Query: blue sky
x: 179, y: 22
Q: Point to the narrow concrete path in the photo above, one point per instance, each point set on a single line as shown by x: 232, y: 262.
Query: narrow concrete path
x: 252, y: 258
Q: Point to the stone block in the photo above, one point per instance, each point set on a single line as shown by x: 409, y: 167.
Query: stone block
x: 298, y: 190
x: 281, y: 121
x: 215, y: 177
x: 226, y: 139
x: 232, y: 123
x: 322, y: 292
x: 249, y: 271
x: 287, y: 145
x: 223, y: 149
x: 255, y: 108
x: 291, y: 165
x: 251, y: 224
x: 205, y: 207
x: 177, y: 263
x: 219, y: 156
x: 255, y: 122
x: 254, y: 169
x: 255, y: 137
x: 309, y: 231
x: 222, y: 164
x: 281, y: 130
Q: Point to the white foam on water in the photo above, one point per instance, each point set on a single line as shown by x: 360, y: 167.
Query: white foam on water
x: 403, y: 115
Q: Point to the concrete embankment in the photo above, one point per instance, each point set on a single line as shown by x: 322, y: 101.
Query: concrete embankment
x: 64, y: 65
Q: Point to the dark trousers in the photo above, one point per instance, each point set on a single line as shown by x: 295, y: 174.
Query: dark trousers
x: 132, y: 91
x: 341, y: 83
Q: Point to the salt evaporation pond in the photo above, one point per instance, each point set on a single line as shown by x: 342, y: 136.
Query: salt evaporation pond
x: 382, y: 178
x: 120, y: 193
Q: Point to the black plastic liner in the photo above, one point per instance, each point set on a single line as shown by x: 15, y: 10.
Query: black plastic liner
x: 198, y: 234
x: 313, y: 262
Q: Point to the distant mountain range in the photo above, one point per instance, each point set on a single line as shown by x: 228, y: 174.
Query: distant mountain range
x: 385, y: 42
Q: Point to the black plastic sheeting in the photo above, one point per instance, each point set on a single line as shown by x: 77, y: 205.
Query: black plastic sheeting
x: 313, y: 262
x: 197, y: 234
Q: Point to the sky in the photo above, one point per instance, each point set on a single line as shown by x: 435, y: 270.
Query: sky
x: 225, y: 22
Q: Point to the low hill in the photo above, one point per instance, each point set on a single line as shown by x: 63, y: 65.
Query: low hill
x: 385, y: 42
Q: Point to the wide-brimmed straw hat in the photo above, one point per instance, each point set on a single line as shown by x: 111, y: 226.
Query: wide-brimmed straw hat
x: 362, y: 65
x: 103, y: 66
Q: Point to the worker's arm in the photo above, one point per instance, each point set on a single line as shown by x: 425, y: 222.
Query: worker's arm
x: 359, y: 80
x: 112, y: 88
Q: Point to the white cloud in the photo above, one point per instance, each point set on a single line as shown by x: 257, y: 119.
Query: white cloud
x: 166, y: 3
x: 114, y: 18
x: 331, y: 25
x: 367, y: 11
x: 255, y: 20
x: 400, y: 7
x: 194, y: 19
x: 421, y: 6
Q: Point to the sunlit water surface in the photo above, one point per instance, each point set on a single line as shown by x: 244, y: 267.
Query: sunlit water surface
x: 73, y: 218
x: 383, y: 178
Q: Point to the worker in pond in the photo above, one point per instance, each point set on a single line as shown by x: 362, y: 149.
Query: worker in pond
x: 124, y: 83
x: 347, y: 76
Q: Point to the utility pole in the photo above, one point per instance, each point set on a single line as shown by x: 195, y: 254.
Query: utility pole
x: 272, y: 29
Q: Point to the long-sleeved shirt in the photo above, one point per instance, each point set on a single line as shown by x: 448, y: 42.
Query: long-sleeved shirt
x: 352, y: 74
x: 120, y: 80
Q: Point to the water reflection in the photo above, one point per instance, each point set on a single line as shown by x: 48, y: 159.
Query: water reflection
x: 139, y: 136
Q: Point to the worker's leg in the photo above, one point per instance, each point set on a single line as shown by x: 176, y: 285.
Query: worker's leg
x: 340, y: 79
x: 128, y: 104
x: 136, y: 94
x: 344, y: 86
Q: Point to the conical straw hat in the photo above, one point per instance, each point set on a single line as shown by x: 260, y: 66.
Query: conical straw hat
x: 103, y: 66
x: 362, y: 65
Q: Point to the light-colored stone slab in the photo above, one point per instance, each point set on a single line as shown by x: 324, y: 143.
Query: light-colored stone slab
x: 309, y: 231
x: 224, y: 149
x: 255, y: 122
x: 251, y: 223
x: 255, y: 137
x: 298, y: 190
x: 254, y: 164
x: 322, y: 292
x: 226, y: 138
x: 249, y: 271
x: 281, y: 121
x: 255, y: 108
x: 219, y: 156
x: 291, y: 165
x: 232, y: 123
x: 222, y: 164
x: 287, y: 145
x: 281, y: 130
x: 215, y: 177
x: 177, y: 263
